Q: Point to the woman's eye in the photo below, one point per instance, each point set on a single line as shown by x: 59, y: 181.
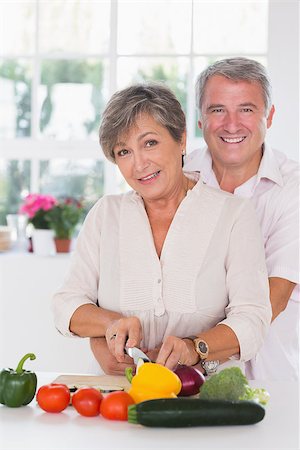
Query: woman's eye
x: 122, y: 152
x: 151, y: 143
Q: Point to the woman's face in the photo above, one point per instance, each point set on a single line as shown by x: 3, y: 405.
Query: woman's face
x: 150, y: 159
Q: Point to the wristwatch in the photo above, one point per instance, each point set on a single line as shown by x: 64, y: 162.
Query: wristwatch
x: 201, y: 347
x: 210, y: 367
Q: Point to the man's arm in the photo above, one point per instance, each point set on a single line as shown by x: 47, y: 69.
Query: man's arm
x: 280, y: 292
x: 106, y: 359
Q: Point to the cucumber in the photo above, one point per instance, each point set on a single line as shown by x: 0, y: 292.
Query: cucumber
x: 192, y: 412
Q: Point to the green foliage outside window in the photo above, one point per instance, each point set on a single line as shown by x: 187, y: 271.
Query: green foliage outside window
x: 16, y: 176
x: 18, y: 73
x: 77, y: 184
x: 65, y: 71
x: 172, y: 78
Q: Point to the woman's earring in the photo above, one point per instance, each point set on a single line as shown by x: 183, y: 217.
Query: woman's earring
x: 182, y: 157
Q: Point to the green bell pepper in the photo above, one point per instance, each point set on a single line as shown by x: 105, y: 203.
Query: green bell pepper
x: 17, y: 387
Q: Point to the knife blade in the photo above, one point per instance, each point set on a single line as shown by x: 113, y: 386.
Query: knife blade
x: 135, y: 353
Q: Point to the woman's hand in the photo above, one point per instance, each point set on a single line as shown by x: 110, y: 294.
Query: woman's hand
x: 126, y: 331
x: 107, y: 360
x: 175, y: 350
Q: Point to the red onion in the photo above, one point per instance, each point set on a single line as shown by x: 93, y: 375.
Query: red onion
x: 191, y: 380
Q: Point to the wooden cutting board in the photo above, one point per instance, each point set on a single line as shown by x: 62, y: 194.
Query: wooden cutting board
x: 104, y: 382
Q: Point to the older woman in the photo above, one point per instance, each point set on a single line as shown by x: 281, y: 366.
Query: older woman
x: 172, y: 266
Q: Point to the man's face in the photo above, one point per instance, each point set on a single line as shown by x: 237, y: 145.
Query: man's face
x: 234, y: 122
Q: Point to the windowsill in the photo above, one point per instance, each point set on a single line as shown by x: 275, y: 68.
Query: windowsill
x: 15, y: 253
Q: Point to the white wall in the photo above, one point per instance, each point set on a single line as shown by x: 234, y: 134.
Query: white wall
x: 283, y: 67
x: 27, y: 284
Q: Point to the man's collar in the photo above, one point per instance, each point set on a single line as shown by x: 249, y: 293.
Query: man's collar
x: 268, y: 167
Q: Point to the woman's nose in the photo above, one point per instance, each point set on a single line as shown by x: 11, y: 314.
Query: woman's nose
x: 141, y: 162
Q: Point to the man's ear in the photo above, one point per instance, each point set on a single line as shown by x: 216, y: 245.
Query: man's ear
x: 270, y: 116
x: 200, y: 124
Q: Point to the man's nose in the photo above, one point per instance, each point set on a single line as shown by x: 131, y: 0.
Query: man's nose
x: 232, y: 122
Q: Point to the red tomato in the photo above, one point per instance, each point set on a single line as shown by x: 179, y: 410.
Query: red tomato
x: 115, y: 405
x: 87, y: 401
x: 53, y: 397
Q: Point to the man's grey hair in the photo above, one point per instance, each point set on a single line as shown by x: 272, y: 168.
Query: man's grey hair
x: 239, y: 69
x: 127, y: 105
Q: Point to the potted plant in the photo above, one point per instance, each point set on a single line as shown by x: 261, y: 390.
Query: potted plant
x: 37, y: 208
x: 63, y: 218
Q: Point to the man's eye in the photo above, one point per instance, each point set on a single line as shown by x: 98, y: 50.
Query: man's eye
x: 150, y: 143
x: 247, y: 110
x: 217, y: 110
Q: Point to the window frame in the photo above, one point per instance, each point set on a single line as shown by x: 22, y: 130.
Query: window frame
x: 34, y: 149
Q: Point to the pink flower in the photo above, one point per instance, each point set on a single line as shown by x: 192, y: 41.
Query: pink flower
x: 34, y: 203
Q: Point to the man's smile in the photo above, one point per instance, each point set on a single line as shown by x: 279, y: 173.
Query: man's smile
x: 235, y: 140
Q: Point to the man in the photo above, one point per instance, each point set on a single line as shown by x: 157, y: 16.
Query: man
x: 235, y: 110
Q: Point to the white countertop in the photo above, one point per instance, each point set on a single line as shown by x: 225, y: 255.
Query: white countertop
x: 30, y: 428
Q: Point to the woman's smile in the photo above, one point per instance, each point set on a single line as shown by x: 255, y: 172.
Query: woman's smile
x: 149, y: 178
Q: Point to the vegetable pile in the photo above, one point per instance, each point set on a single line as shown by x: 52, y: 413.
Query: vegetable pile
x: 224, y: 399
x: 87, y: 401
x: 154, y: 398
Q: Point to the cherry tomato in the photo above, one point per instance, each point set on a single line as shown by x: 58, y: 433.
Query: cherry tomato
x: 53, y: 397
x: 87, y: 401
x: 115, y: 405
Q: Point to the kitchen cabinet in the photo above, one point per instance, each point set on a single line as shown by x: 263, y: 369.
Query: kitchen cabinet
x: 27, y: 283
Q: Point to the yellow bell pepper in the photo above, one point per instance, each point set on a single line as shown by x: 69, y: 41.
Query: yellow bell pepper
x: 154, y: 381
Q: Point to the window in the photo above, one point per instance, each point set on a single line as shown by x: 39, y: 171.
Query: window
x: 60, y: 62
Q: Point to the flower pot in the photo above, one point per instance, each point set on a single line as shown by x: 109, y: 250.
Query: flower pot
x: 62, y: 245
x: 43, y: 242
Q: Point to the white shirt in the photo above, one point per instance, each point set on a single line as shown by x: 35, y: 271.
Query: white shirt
x: 211, y: 270
x: 274, y: 191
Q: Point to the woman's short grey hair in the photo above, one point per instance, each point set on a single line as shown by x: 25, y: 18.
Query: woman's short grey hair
x: 236, y: 69
x: 127, y: 105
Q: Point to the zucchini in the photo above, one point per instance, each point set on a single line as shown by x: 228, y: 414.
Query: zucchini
x: 192, y: 412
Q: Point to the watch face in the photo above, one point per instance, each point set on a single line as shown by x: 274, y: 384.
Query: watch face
x: 210, y: 365
x: 202, y: 347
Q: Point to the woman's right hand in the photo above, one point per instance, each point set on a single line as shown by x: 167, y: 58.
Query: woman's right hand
x: 126, y: 331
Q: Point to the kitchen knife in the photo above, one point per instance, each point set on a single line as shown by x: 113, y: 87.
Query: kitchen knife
x: 136, y: 354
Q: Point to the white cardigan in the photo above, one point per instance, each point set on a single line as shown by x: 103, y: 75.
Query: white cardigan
x: 211, y: 270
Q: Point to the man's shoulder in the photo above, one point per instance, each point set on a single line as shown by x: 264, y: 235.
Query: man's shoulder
x: 195, y: 160
x: 227, y: 198
x: 289, y: 168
